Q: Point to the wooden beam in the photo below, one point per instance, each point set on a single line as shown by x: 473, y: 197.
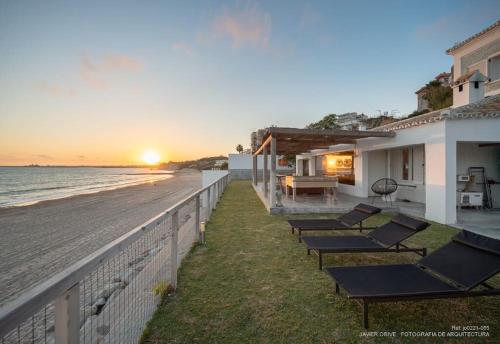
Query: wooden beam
x: 283, y: 132
x: 493, y: 144
x: 263, y: 144
x: 264, y: 171
x: 272, y: 178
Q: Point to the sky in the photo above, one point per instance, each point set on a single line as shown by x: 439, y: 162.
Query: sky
x: 100, y: 82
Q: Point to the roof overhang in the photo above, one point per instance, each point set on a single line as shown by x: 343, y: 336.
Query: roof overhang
x: 296, y: 141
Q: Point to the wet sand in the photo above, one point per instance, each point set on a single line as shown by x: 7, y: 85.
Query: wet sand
x: 39, y: 240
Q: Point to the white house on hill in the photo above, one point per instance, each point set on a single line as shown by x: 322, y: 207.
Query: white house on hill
x: 476, y: 66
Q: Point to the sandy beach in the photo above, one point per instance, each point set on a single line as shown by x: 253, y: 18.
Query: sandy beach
x: 42, y: 239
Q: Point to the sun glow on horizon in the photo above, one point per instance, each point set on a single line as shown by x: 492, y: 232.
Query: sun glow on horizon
x: 150, y: 157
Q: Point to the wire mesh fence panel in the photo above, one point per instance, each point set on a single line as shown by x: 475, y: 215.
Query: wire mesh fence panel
x: 122, y: 286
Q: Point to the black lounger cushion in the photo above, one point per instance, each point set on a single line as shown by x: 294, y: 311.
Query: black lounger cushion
x: 398, y: 229
x: 465, y: 264
x: 478, y: 241
x: 360, y: 213
x: 369, y: 209
x: 388, y: 281
x: 410, y: 222
x: 341, y: 243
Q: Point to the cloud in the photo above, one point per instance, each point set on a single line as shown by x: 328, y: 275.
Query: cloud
x: 55, y: 89
x: 183, y: 48
x: 309, y: 17
x: 246, y: 27
x: 95, y: 74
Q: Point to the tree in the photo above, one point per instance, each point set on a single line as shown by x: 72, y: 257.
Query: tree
x: 239, y: 148
x: 438, y: 96
x: 327, y: 122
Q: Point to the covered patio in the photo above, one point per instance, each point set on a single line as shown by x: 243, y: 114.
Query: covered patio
x: 307, y: 204
x: 290, y: 141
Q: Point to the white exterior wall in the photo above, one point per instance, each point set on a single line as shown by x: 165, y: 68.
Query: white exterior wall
x: 488, y: 38
x: 377, y: 162
x: 245, y: 162
x: 461, y: 98
x: 210, y: 176
x: 440, y: 140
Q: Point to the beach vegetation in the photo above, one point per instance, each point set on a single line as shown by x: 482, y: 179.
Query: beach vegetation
x: 162, y: 289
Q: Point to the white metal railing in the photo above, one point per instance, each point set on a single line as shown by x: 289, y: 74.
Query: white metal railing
x: 109, y: 296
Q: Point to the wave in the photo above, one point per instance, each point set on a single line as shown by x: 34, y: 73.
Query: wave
x: 28, y: 188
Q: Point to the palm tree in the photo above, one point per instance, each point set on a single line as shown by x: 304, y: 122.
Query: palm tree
x: 239, y: 148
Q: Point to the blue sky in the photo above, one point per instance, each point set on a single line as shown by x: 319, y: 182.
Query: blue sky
x: 100, y: 81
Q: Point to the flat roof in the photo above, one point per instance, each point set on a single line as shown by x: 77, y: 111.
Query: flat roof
x: 296, y: 141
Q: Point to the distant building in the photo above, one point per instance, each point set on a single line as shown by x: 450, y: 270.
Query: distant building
x: 445, y: 79
x: 476, y: 65
x: 352, y: 121
x: 256, y: 139
x: 373, y: 122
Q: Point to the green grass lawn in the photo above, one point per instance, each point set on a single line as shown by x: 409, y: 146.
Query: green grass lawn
x: 253, y: 283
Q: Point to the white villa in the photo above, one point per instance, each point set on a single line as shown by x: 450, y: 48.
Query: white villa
x: 443, y: 161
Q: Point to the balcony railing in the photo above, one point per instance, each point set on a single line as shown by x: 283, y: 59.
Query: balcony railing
x: 109, y: 296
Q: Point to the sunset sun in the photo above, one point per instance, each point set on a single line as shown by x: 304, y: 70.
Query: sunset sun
x: 150, y: 157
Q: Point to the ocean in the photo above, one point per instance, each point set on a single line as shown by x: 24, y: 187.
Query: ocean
x: 21, y: 186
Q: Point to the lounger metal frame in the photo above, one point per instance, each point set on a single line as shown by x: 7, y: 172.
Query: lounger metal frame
x: 365, y: 301
x: 359, y: 227
x: 398, y: 249
x: 480, y: 253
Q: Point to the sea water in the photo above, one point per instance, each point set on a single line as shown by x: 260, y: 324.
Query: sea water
x: 28, y: 185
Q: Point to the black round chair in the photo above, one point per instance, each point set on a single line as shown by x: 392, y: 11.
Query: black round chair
x: 384, y: 187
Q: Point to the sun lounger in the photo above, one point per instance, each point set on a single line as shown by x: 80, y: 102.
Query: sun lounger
x: 355, y: 217
x: 386, y: 238
x: 452, y: 271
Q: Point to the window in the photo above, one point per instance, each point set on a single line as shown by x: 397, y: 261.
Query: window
x: 406, y: 163
x: 460, y: 88
x: 494, y: 68
x: 476, y: 84
x: 340, y: 165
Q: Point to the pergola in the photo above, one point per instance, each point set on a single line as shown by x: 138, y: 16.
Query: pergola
x: 281, y: 141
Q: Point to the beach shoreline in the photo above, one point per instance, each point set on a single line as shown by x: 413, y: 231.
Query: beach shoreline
x: 42, y: 239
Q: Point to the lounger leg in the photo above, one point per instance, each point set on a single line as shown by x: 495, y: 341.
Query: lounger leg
x: 300, y: 233
x: 320, y: 260
x: 365, y: 314
x: 308, y: 252
x: 293, y: 230
x: 336, y: 288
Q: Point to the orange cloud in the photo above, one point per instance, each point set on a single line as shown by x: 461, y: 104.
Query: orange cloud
x: 94, y: 73
x: 244, y: 27
x: 56, y: 89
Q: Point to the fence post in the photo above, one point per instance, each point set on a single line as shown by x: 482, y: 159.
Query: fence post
x: 173, y: 250
x: 67, y: 316
x: 208, y: 204
x: 214, y: 201
x: 197, y: 217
